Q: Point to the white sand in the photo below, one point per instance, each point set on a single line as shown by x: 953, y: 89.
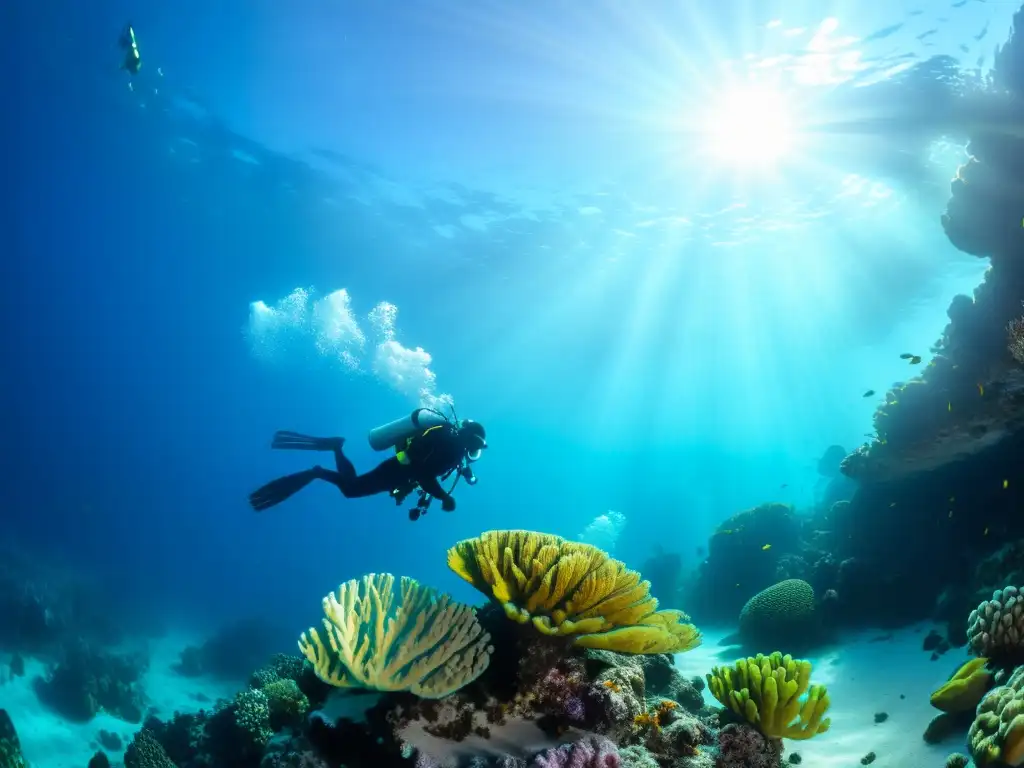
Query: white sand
x: 864, y: 677
x: 49, y: 741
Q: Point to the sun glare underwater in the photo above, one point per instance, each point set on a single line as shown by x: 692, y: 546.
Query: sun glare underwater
x: 513, y: 386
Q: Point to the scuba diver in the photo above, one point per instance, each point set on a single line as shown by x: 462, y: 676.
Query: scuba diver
x: 429, y: 448
x: 132, y: 58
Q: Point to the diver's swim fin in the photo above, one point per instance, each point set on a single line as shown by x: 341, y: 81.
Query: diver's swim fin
x: 276, y: 491
x: 293, y: 441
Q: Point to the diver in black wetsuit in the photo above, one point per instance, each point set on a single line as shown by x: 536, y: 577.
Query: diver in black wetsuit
x: 419, y: 461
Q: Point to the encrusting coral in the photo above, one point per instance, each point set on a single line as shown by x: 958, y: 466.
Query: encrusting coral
x: 571, y: 589
x: 417, y: 640
x: 997, y: 734
x: 766, y: 691
x: 963, y: 691
x: 995, y: 628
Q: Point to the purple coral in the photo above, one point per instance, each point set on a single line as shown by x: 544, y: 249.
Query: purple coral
x: 742, y: 746
x: 592, y: 752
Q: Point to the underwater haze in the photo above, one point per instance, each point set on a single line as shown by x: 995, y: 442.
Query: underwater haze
x: 626, y: 238
x: 640, y: 326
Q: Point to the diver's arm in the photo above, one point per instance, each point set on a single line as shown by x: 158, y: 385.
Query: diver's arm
x: 433, y: 487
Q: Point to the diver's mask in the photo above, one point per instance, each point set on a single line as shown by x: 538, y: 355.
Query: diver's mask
x: 474, y: 438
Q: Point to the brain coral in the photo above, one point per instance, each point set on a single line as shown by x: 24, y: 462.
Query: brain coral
x: 783, y: 613
x: 996, y: 627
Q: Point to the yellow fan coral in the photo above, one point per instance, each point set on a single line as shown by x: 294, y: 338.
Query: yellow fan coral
x: 963, y: 691
x: 416, y: 640
x: 766, y: 691
x: 569, y: 588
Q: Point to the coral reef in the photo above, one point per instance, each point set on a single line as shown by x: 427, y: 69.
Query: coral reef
x: 743, y: 746
x: 963, y: 691
x: 233, y: 652
x: 995, y: 629
x: 998, y: 730
x: 782, y: 614
x: 86, y: 680
x: 737, y: 558
x: 416, y: 640
x: 569, y: 588
x: 10, y: 746
x: 766, y: 691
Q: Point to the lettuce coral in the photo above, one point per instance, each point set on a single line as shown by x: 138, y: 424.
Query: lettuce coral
x: 416, y: 640
x: 963, y: 691
x: 571, y: 589
x: 766, y: 691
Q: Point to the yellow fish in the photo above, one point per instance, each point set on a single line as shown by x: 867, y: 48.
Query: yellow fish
x: 981, y: 389
x: 1006, y: 484
x: 766, y: 547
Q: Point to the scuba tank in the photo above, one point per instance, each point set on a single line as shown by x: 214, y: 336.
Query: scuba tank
x: 394, y: 432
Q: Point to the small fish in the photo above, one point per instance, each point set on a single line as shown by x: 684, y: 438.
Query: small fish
x: 869, y: 393
x: 906, y: 356
x: 737, y: 583
x: 892, y: 505
x: 952, y: 499
x: 1006, y: 484
x: 766, y: 547
x: 949, y: 407
x: 728, y: 531
x: 951, y: 514
x: 915, y: 360
x: 981, y: 389
x: 784, y: 485
x: 985, y: 532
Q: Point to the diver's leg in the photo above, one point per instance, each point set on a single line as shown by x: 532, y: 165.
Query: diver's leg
x: 297, y: 442
x: 278, y: 490
x: 383, y: 478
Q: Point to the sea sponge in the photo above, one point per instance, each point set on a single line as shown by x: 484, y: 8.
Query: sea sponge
x: 569, y: 588
x: 995, y: 629
x: 765, y: 691
x: 783, y: 613
x: 997, y: 734
x: 963, y: 691
x: 417, y: 640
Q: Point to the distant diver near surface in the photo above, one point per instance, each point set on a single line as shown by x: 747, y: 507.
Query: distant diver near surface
x: 132, y: 58
x: 429, y: 448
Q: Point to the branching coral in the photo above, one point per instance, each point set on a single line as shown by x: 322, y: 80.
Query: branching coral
x: 766, y: 692
x: 567, y: 588
x: 416, y: 640
x: 996, y: 627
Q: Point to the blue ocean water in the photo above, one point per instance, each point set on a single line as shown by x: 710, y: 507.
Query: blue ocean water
x: 317, y: 216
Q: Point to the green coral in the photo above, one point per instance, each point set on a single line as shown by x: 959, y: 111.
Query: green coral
x: 997, y: 734
x: 766, y: 691
x: 281, y: 666
x: 782, y: 613
x: 287, y: 704
x: 956, y: 760
x: 146, y: 752
x: 252, y: 716
x: 10, y: 745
